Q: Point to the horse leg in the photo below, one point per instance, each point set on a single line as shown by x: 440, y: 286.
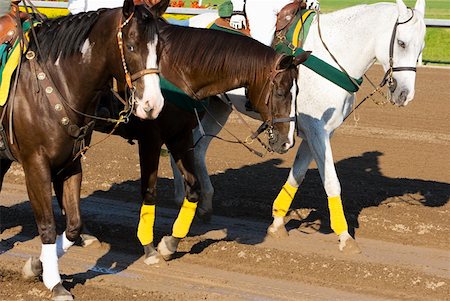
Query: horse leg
x: 149, y: 151
x: 285, y: 197
x: 322, y: 153
x: 58, y: 185
x: 182, y: 152
x: 218, y: 111
x: 5, y: 164
x: 38, y: 182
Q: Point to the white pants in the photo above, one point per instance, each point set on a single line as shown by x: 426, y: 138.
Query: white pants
x: 78, y: 6
x: 262, y: 17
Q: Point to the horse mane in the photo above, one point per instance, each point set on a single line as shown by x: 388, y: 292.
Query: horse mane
x: 201, y: 49
x: 64, y: 36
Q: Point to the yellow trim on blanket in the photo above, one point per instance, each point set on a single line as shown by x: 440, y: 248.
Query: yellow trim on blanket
x: 10, y: 66
x: 298, y: 27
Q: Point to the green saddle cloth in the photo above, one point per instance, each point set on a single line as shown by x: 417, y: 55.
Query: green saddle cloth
x: 176, y: 96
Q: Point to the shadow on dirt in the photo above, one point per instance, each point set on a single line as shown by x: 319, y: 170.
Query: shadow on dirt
x: 246, y: 193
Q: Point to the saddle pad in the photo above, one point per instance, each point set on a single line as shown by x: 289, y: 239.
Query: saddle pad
x: 9, y: 62
x: 292, y: 39
x: 176, y: 96
x: 301, y: 24
x: 224, y: 25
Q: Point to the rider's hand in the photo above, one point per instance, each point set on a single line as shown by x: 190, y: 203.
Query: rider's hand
x: 238, y: 22
x: 312, y: 4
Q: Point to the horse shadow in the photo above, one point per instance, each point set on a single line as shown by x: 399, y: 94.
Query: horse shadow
x: 245, y: 194
x: 248, y: 193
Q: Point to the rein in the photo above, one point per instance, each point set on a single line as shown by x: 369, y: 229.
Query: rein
x: 388, y: 76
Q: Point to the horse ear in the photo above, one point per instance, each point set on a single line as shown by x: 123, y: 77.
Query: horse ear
x: 128, y: 8
x: 285, y: 62
x: 420, y: 7
x: 402, y: 9
x: 159, y: 7
x: 301, y: 58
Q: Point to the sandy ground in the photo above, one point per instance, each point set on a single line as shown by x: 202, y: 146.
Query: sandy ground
x: 394, y: 168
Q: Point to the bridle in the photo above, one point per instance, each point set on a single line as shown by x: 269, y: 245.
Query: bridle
x: 389, y: 75
x: 268, y: 124
x: 129, y: 78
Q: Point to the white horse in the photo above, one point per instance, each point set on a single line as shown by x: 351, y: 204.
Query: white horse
x: 391, y: 34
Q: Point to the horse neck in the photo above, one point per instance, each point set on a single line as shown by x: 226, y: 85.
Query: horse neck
x: 352, y: 36
x: 205, y: 72
x: 88, y: 71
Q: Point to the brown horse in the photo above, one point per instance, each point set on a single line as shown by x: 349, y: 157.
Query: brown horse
x: 205, y: 63
x: 68, y: 62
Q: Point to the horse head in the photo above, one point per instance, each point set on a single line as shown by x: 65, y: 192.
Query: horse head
x: 276, y: 102
x: 140, y: 50
x: 399, y: 53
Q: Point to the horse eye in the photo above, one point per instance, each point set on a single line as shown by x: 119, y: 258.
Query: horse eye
x: 279, y: 92
x: 130, y: 47
x: 401, y: 43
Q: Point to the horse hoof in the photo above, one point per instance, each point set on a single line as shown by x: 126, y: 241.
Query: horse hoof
x: 168, y: 246
x: 280, y: 232
x: 152, y: 257
x: 87, y: 240
x: 204, y: 215
x: 349, y: 246
x: 32, y: 268
x: 59, y: 293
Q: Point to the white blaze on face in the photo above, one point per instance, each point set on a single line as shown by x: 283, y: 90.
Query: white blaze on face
x: 152, y: 101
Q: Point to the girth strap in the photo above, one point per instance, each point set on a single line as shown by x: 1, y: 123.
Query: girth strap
x: 5, y: 152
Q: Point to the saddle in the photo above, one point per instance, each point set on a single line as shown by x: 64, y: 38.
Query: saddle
x: 288, y: 13
x: 224, y: 24
x: 9, y: 29
x: 284, y: 18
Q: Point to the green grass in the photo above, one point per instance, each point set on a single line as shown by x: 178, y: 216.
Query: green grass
x: 435, y: 9
x: 437, y: 43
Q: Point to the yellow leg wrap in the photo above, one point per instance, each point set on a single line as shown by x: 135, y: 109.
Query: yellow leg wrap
x: 283, y: 201
x: 146, y: 222
x: 184, y: 219
x: 337, y: 217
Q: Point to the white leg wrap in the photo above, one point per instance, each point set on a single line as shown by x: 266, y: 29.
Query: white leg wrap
x: 62, y: 244
x: 49, y: 260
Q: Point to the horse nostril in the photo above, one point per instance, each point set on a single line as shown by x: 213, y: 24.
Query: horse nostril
x: 147, y: 109
x: 403, y: 96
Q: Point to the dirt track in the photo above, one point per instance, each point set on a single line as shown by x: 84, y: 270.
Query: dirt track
x: 394, y: 167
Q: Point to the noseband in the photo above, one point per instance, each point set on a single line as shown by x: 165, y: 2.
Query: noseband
x: 389, y: 75
x: 270, y: 82
x: 128, y: 77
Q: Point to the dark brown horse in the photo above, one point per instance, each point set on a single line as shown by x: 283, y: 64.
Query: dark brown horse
x: 205, y: 63
x: 69, y: 62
